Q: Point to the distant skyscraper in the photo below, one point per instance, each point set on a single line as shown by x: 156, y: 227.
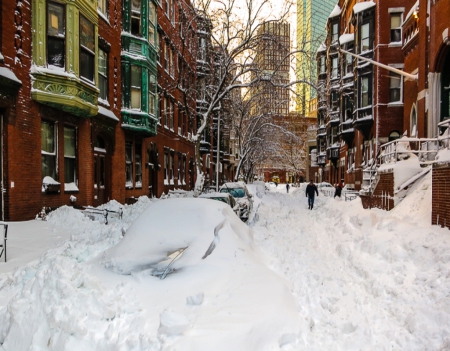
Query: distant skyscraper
x: 272, y: 64
x: 312, y: 18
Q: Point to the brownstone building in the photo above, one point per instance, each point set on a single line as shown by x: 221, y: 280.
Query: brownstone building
x: 360, y: 105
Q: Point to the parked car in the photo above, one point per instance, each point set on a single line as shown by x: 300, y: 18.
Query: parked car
x: 324, y: 185
x: 240, y: 192
x: 223, y: 197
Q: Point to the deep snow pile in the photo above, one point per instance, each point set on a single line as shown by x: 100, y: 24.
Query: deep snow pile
x: 363, y: 279
x: 96, y: 291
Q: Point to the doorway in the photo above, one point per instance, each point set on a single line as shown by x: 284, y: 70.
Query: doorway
x: 100, y: 172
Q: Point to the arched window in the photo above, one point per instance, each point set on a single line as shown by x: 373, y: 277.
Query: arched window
x: 413, y: 121
x: 394, y: 135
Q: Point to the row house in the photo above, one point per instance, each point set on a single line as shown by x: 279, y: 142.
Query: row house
x: 97, y: 102
x: 360, y: 105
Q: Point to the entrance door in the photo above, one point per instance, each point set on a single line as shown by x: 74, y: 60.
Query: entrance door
x: 99, y: 178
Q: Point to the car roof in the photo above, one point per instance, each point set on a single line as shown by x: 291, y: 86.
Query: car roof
x: 233, y: 185
x: 209, y: 195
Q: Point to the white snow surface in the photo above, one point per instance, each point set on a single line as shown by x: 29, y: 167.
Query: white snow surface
x: 336, y: 12
x: 335, y: 278
x: 362, y: 6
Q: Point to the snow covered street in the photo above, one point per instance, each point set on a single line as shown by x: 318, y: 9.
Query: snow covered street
x: 363, y: 279
x: 335, y: 278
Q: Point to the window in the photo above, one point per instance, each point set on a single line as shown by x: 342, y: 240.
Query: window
x: 365, y: 37
x: 136, y: 81
x: 136, y: 17
x: 396, y: 27
x: 129, y: 164
x: 171, y: 165
x: 151, y: 23
x: 166, y: 56
x: 48, y: 149
x: 103, y: 74
x: 168, y: 7
x: 334, y: 67
x: 56, y: 35
x: 138, y: 166
x: 171, y: 63
x: 394, y: 135
x: 171, y: 113
x: 365, y: 98
x: 348, y: 64
x: 87, y: 49
x: 395, y: 87
x: 103, y: 6
x: 70, y: 160
x: 166, y: 168
x: 166, y: 112
x: 152, y: 94
x: 334, y: 33
x: 322, y: 65
x: 202, y: 49
x: 334, y: 97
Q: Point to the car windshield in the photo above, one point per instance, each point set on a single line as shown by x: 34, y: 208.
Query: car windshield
x: 235, y: 192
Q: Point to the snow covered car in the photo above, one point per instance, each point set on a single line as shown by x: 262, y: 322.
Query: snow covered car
x: 223, y: 197
x: 240, y: 192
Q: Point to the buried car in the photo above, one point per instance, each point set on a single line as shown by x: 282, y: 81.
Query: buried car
x: 223, y: 197
x: 240, y: 192
x: 215, y: 281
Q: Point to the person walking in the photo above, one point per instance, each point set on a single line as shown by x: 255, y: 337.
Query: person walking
x: 287, y: 187
x: 338, y: 190
x: 310, y: 190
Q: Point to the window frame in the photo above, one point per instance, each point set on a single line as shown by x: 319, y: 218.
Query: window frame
x: 136, y: 16
x: 103, y: 76
x: 366, y: 38
x: 70, y: 157
x: 56, y: 37
x: 395, y: 77
x: 129, y: 160
x: 89, y: 52
x: 396, y: 29
x: 50, y: 154
x: 137, y: 89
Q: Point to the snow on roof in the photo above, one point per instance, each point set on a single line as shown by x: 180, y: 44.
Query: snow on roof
x: 107, y: 113
x: 7, y: 73
x: 362, y: 6
x: 336, y: 12
x: 411, y: 11
x: 346, y: 38
x: 322, y: 47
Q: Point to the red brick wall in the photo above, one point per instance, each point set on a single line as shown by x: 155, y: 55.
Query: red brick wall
x: 383, y: 196
x: 440, y: 213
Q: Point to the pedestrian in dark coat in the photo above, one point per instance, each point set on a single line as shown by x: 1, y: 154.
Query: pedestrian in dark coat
x: 338, y: 190
x: 287, y: 187
x: 310, y: 190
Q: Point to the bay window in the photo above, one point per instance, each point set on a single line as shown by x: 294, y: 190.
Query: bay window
x: 136, y: 9
x: 136, y: 84
x: 56, y: 34
x: 87, y: 49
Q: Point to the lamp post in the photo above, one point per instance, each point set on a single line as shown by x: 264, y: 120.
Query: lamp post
x: 218, y: 151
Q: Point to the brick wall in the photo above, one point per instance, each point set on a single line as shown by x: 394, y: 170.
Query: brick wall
x: 440, y: 212
x: 383, y: 196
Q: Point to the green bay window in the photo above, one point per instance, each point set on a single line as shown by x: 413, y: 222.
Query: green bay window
x: 87, y: 49
x: 152, y: 94
x: 151, y: 23
x: 56, y: 34
x: 136, y: 86
x: 70, y: 160
x: 136, y: 22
